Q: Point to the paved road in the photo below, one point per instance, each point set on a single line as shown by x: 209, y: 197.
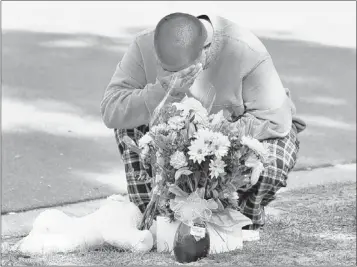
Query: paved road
x: 45, y: 163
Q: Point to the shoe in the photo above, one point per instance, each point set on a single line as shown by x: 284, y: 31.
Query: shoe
x: 250, y: 235
x: 252, y: 227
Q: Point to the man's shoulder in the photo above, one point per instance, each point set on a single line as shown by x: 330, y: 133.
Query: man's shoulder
x: 145, y: 40
x: 145, y: 34
x: 241, y: 36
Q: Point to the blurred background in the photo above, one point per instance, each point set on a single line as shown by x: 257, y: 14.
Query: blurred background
x: 58, y: 57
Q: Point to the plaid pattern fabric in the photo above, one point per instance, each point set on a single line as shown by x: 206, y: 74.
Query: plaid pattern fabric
x: 138, y: 189
x: 252, y: 201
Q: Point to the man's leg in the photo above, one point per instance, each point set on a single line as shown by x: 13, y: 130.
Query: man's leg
x: 136, y: 175
x: 253, y: 200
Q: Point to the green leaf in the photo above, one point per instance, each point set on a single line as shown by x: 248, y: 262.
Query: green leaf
x: 212, y: 205
x: 192, y: 118
x: 177, y: 191
x: 189, y: 182
x: 201, y: 192
x: 160, y: 144
x: 197, y: 174
x: 191, y: 130
x: 215, y: 193
x: 196, y: 177
x: 232, y: 187
x: 257, y: 170
x: 220, y: 205
x: 241, y: 181
x: 182, y: 171
x: 214, y: 183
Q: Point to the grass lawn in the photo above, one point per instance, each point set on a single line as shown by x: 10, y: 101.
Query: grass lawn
x: 317, y: 227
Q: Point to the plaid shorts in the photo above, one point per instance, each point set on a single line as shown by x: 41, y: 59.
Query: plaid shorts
x: 136, y: 175
x: 251, y: 201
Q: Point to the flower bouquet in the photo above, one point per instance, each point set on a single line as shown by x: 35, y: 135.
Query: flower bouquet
x: 199, y: 161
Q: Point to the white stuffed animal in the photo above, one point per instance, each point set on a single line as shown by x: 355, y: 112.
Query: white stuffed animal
x: 114, y: 223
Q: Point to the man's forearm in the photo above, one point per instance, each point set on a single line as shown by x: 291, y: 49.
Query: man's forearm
x: 129, y: 108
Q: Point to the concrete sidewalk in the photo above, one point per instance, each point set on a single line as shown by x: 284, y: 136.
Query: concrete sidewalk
x: 19, y: 224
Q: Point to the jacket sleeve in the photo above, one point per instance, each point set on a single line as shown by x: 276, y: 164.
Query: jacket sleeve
x: 268, y: 108
x: 129, y: 100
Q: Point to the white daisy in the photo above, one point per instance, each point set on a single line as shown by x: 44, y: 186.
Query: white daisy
x: 198, y: 150
x: 205, y: 134
x: 220, y: 145
x: 216, y: 167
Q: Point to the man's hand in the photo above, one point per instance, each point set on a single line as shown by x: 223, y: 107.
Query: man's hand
x: 181, y: 81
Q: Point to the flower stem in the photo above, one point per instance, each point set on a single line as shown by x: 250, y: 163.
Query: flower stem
x: 190, y: 183
x: 149, y: 213
x: 206, y: 180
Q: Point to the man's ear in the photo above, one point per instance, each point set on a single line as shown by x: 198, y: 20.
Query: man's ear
x: 205, y: 33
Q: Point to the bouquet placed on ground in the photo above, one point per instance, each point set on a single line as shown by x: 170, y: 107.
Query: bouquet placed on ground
x: 198, y: 161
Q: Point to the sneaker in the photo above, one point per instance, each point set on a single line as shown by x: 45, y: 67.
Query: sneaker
x: 252, y: 227
x: 250, y: 235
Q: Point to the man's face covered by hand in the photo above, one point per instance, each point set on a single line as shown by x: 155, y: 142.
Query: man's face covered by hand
x: 179, y: 42
x: 180, y: 50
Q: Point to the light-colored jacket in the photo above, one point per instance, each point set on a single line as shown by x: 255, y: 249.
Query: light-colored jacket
x: 240, y: 68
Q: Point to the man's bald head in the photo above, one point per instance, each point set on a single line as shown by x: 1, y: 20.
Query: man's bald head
x: 179, y: 40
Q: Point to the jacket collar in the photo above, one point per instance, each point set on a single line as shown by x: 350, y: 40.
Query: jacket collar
x: 219, y: 24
